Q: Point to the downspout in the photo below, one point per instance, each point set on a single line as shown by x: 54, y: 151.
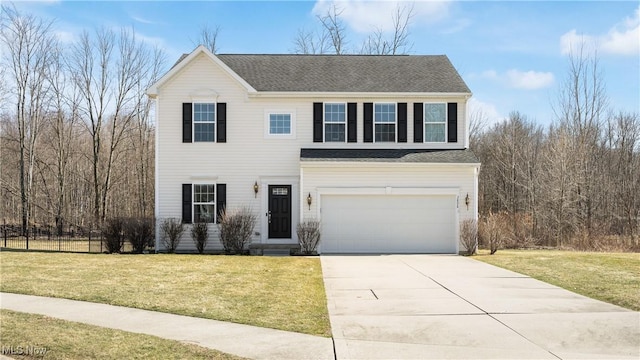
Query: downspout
x: 301, y: 199
x: 156, y: 190
x: 476, y: 172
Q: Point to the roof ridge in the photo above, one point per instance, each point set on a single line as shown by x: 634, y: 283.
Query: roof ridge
x: 335, y: 55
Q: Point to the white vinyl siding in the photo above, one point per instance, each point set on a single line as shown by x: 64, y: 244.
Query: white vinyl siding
x: 251, y: 156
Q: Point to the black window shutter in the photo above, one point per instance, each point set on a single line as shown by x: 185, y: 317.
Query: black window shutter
x: 402, y: 122
x: 187, y: 113
x: 368, y: 122
x: 186, y: 203
x: 418, y: 128
x: 352, y: 125
x: 221, y: 200
x: 452, y: 122
x: 221, y: 123
x: 317, y: 122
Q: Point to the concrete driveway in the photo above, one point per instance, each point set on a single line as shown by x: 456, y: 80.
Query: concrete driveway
x: 450, y: 307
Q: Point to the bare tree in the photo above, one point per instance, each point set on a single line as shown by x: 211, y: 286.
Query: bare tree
x: 144, y: 134
x: 510, y: 156
x: 29, y: 44
x: 332, y: 35
x: 334, y: 26
x: 623, y: 160
x: 477, y: 125
x: 377, y: 44
x: 330, y: 38
x: 581, y: 108
x: 62, y: 130
x: 208, y: 37
x: 309, y: 42
x: 107, y: 72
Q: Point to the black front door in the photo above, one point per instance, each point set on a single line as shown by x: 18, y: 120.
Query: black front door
x: 279, y: 211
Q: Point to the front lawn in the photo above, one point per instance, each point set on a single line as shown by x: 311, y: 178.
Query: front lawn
x: 284, y: 293
x: 29, y: 336
x: 610, y: 277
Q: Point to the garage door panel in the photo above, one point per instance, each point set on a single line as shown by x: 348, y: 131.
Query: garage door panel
x: 388, y: 223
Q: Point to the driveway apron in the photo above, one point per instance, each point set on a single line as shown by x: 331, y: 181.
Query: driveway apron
x: 454, y: 307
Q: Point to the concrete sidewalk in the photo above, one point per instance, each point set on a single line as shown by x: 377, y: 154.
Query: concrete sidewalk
x: 237, y: 339
x: 453, y: 307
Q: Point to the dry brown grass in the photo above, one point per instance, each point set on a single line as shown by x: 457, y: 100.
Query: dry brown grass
x: 610, y: 277
x: 284, y: 293
x: 41, y: 337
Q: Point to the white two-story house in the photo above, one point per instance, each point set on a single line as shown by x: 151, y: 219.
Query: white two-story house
x: 375, y: 147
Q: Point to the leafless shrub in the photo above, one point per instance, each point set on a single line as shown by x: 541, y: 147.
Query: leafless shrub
x: 308, y: 235
x: 172, y: 229
x: 491, y: 233
x: 139, y: 232
x: 469, y: 235
x: 236, y: 227
x: 113, y: 232
x: 200, y: 235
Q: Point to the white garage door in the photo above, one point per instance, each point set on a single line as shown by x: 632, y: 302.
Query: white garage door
x: 388, y: 224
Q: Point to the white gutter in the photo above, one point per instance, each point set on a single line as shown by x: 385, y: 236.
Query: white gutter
x: 326, y: 94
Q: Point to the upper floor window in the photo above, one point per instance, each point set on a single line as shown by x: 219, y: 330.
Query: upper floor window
x: 435, y: 122
x: 204, y: 203
x: 279, y: 124
x: 385, y: 122
x: 334, y: 122
x: 204, y: 118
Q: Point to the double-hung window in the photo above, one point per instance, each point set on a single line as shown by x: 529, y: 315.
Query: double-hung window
x: 435, y: 122
x: 385, y: 122
x: 204, y: 120
x: 334, y: 122
x: 204, y: 203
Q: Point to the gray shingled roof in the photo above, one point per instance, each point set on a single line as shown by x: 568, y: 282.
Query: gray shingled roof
x: 347, y: 73
x: 390, y: 155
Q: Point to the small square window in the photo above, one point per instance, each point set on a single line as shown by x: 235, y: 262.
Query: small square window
x: 279, y: 124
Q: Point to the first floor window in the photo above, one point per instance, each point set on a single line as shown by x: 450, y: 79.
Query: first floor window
x: 435, y: 122
x: 385, y: 122
x: 204, y: 118
x: 204, y: 203
x: 334, y: 122
x: 279, y: 124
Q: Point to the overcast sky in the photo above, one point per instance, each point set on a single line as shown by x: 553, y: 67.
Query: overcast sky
x: 512, y: 54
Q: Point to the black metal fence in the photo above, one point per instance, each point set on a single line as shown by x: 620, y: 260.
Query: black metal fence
x: 50, y: 238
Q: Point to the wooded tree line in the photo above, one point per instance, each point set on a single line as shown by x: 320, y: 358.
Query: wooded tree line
x: 575, y: 183
x: 77, y: 136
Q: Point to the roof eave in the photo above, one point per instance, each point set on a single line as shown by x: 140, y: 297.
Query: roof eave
x: 350, y: 163
x: 315, y: 94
